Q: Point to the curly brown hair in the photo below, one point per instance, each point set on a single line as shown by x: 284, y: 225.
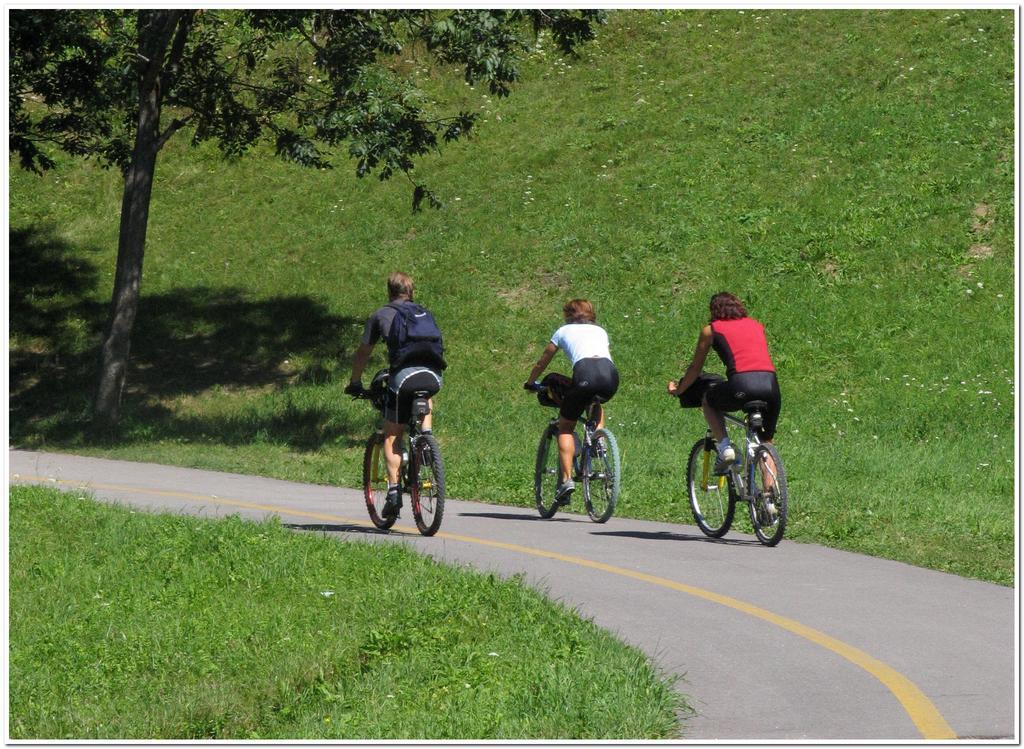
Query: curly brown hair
x: 579, y: 310
x: 726, y: 306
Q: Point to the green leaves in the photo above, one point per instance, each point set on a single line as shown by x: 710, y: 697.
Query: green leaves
x: 307, y: 79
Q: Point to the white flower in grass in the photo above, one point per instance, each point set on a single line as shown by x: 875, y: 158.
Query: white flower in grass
x: 327, y: 593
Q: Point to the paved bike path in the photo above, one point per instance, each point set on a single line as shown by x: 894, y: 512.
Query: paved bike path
x: 799, y: 642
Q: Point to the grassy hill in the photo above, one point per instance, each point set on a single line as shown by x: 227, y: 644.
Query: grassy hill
x: 849, y: 174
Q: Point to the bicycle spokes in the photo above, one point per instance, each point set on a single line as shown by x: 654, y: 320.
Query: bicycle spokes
x: 375, y: 481
x: 601, y: 476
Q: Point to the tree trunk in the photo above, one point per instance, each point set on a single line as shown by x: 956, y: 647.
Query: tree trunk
x: 155, y: 31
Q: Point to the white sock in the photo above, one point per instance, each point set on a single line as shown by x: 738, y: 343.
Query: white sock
x: 723, y: 444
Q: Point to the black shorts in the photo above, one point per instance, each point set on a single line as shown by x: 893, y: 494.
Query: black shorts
x: 402, y: 388
x: 745, y: 387
x: 591, y: 378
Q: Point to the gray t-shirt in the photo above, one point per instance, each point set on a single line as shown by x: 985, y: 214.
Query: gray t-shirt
x: 378, y: 325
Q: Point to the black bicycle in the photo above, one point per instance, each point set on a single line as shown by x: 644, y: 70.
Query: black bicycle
x: 422, y: 472
x: 755, y: 478
x: 595, y: 463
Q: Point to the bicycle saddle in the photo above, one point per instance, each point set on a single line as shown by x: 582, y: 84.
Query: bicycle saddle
x: 752, y: 406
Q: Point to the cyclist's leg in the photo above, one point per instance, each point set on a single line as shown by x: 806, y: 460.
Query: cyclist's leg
x: 566, y: 447
x: 607, y: 387
x: 773, y: 397
x: 715, y: 420
x: 718, y: 400
x: 393, y: 434
x: 573, y: 404
x: 396, y: 413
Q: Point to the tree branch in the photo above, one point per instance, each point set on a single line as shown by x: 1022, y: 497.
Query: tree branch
x: 174, y: 127
x: 184, y: 26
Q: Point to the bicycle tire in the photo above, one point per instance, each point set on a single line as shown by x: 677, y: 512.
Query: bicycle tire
x: 706, y: 499
x: 546, y: 473
x: 426, y: 472
x: 604, y: 465
x: 768, y: 518
x: 375, y: 481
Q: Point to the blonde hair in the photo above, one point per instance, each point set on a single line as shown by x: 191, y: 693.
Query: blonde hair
x: 399, y: 285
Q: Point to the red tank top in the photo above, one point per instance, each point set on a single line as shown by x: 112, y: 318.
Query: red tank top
x: 742, y: 345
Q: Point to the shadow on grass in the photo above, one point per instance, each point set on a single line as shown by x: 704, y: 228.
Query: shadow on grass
x: 186, y: 342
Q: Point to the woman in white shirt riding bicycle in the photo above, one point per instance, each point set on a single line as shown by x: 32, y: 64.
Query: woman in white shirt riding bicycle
x: 593, y: 376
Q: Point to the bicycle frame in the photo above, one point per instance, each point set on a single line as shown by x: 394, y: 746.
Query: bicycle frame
x: 589, y: 421
x: 420, y: 408
x: 743, y: 469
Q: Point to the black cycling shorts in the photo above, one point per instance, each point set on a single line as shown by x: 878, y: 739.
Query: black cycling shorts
x: 744, y: 387
x: 591, y: 378
x: 402, y: 388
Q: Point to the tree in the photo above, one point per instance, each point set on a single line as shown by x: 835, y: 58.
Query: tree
x: 96, y: 83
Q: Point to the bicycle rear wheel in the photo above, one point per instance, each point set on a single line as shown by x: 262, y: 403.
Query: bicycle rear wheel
x: 375, y: 481
x: 601, y: 476
x: 426, y: 484
x: 769, y: 502
x: 546, y: 473
x: 710, y: 498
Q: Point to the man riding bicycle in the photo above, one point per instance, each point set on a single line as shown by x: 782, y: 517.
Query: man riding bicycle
x: 415, y: 362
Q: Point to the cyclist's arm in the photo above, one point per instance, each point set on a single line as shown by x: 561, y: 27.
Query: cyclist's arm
x: 361, y: 358
x: 697, y: 364
x: 542, y: 363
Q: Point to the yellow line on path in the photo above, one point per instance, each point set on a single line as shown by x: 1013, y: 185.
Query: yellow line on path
x: 922, y: 712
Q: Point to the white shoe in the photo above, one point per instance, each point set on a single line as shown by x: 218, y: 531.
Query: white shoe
x: 564, y: 494
x: 725, y: 459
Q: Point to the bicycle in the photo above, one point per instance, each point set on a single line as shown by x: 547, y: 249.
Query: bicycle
x: 422, y: 471
x: 756, y: 478
x: 596, y: 463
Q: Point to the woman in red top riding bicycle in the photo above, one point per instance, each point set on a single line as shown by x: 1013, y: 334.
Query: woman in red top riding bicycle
x: 740, y: 342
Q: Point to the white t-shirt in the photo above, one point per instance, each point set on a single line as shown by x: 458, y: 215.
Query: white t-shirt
x: 582, y: 340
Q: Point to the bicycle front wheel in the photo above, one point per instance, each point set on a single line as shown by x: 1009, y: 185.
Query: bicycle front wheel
x: 769, y: 501
x: 601, y: 476
x: 375, y: 481
x: 710, y: 498
x: 426, y: 484
x: 547, y: 473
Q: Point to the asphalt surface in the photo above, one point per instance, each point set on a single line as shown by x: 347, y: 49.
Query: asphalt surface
x: 798, y: 642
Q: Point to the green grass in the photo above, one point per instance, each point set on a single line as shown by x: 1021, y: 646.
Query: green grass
x: 848, y: 173
x: 128, y: 625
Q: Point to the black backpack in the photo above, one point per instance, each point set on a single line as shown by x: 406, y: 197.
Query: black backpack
x: 414, y: 339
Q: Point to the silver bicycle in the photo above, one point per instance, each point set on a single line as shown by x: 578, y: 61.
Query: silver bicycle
x: 757, y: 479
